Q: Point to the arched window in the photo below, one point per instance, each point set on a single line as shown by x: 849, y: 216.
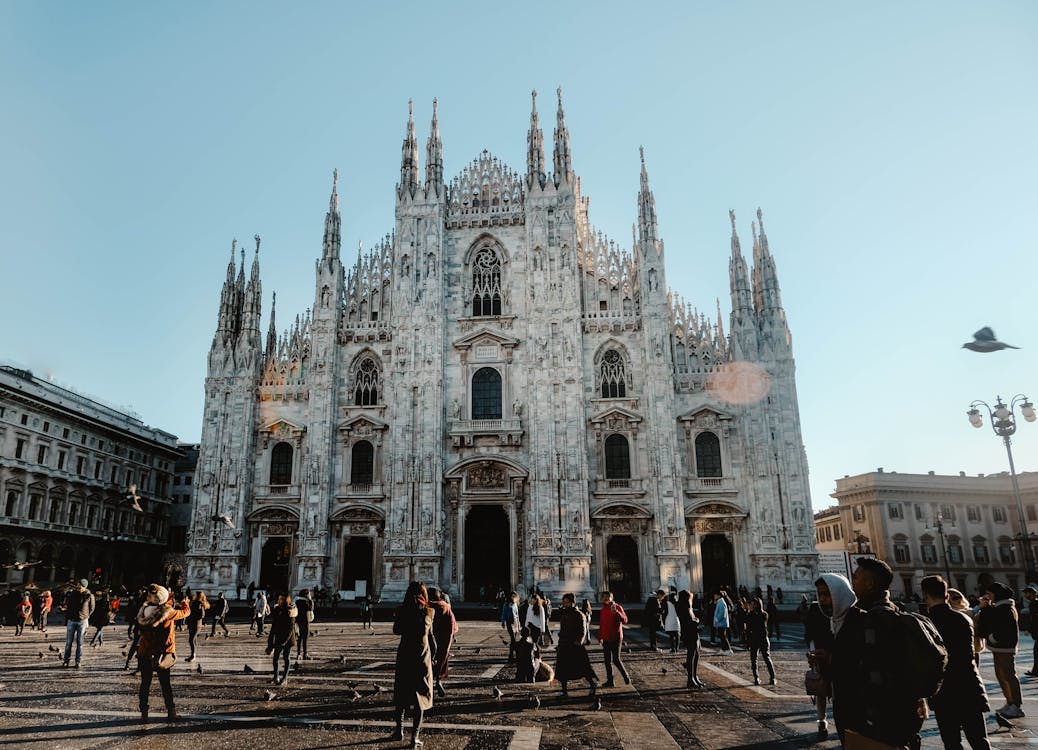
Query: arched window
x: 12, y: 500
x: 362, y: 463
x: 486, y: 394
x: 486, y: 283
x: 617, y: 457
x: 366, y: 383
x: 281, y: 464
x: 614, y: 383
x: 708, y: 455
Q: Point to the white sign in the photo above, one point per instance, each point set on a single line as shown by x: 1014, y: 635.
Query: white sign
x: 834, y: 561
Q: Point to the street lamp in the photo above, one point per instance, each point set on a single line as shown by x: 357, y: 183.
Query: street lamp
x: 1003, y: 423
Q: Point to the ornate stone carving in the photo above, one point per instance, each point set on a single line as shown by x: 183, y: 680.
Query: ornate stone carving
x: 486, y: 476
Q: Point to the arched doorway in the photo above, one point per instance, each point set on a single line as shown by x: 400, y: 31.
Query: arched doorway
x: 277, y: 552
x: 718, y: 563
x: 622, y: 569
x: 488, y: 545
x: 357, y: 562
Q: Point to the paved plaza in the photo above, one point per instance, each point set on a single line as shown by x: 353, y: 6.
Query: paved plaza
x: 43, y: 705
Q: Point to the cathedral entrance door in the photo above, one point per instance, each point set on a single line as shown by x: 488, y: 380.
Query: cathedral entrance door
x: 488, y: 546
x: 718, y: 563
x: 622, y: 569
x: 277, y: 552
x: 357, y: 562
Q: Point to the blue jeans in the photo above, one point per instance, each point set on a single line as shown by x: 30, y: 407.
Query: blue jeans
x: 74, y: 629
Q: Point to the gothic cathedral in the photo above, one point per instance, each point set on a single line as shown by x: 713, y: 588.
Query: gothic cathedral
x: 496, y: 395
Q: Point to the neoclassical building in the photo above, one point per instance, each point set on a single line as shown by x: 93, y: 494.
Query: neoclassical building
x: 497, y: 394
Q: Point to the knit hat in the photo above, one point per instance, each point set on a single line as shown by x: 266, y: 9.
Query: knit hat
x: 161, y: 594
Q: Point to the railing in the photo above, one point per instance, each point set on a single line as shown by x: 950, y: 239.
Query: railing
x: 709, y: 484
x: 618, y: 485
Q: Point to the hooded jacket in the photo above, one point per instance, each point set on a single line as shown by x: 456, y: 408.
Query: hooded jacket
x: 998, y: 623
x: 843, y: 599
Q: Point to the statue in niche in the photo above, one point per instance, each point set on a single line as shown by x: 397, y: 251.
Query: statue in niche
x: 517, y: 408
x: 455, y: 409
x: 315, y: 469
x: 326, y: 296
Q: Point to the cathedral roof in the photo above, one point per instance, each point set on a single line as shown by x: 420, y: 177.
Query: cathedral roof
x: 487, y: 187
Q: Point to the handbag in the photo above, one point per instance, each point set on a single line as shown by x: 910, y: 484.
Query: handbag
x: 166, y: 660
x: 814, y: 683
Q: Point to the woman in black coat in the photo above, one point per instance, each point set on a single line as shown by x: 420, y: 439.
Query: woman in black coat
x: 282, y: 635
x: 818, y: 634
x: 689, y: 638
x: 413, y: 680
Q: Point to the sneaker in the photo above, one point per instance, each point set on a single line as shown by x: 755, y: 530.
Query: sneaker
x: 756, y: 681
x: 772, y: 681
x: 823, y: 729
x: 1004, y: 708
x: 1013, y: 712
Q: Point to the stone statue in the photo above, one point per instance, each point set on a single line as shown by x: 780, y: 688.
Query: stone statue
x: 517, y: 408
x: 455, y: 409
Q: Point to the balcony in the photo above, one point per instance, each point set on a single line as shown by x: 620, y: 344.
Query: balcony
x: 277, y: 492
x: 501, y: 432
x: 618, y: 487
x: 709, y: 485
x: 359, y: 490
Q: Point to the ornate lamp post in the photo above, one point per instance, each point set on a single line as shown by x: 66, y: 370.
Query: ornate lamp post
x: 1003, y: 423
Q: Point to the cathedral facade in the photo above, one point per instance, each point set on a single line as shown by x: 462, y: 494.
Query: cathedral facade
x: 496, y: 395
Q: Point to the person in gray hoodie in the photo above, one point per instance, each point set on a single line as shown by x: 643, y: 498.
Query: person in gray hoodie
x: 999, y: 624
x: 79, y: 605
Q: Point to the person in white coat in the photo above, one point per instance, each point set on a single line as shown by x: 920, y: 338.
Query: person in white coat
x: 260, y: 609
x: 671, y: 623
x: 536, y: 617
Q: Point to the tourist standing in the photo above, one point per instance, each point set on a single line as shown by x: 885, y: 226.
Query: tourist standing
x: 774, y: 627
x: 671, y: 622
x: 282, y: 635
x: 101, y: 618
x: 157, y: 649
x: 721, y: 623
x: 611, y: 621
x: 998, y: 624
x: 757, y: 639
x: 305, y: 609
x: 413, y: 678
x: 689, y: 638
x: 510, y: 621
x: 365, y: 612
x: 535, y: 618
x: 651, y: 619
x: 571, y: 659
x: 23, y: 614
x: 79, y: 605
x: 45, y: 603
x: 198, y: 606
x: 260, y: 609
x: 445, y: 625
x: 818, y: 635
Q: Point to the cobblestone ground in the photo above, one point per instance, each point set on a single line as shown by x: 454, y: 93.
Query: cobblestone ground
x: 43, y: 705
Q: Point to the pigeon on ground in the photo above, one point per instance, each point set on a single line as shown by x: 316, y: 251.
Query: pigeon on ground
x: 269, y: 695
x: 55, y: 649
x: 664, y: 670
x: 40, y: 655
x: 377, y: 688
x: 198, y: 668
x: 497, y: 693
x: 354, y: 695
x: 248, y: 669
x: 476, y: 650
x: 597, y: 705
x: 342, y: 659
x: 984, y: 341
x: 535, y: 701
x: 1003, y: 722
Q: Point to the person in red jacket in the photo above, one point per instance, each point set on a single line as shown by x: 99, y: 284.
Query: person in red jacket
x: 611, y: 623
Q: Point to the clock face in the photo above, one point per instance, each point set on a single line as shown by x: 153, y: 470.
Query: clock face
x: 739, y: 383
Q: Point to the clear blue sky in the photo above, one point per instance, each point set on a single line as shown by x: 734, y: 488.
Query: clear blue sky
x: 891, y: 146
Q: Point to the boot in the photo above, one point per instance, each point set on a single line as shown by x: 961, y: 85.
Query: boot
x: 398, y: 733
x: 144, y: 714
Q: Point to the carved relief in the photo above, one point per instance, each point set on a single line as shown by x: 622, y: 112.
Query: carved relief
x: 486, y: 476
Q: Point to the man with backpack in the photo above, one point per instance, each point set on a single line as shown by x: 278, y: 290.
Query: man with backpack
x: 999, y: 624
x: 889, y: 661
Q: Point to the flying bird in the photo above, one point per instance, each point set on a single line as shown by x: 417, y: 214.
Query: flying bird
x: 225, y: 520
x: 984, y: 341
x: 133, y: 499
x: 497, y: 693
x: 23, y: 565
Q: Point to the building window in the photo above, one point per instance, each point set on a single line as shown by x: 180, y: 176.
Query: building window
x: 61, y: 460
x: 80, y: 464
x: 362, y: 463
x: 46, y: 426
x: 366, y: 385
x: 948, y: 514
x: 1006, y: 553
x: 73, y: 512
x: 34, y: 506
x: 973, y: 513
x: 64, y: 433
x: 955, y: 553
x: 895, y: 511
x: 114, y: 474
x: 980, y: 553
x: 708, y: 455
x: 929, y: 552
x: 919, y: 512
x: 281, y: 464
x: 19, y: 448
x: 187, y: 479
x: 486, y: 283
x: 41, y: 455
x: 836, y: 531
x: 486, y: 394
x: 828, y: 533
x: 12, y: 502
x: 25, y: 419
x: 617, y: 457
x: 1031, y: 515
x: 901, y: 553
x: 91, y: 516
x: 859, y: 512
x: 97, y: 469
x: 106, y: 521
x: 614, y: 380
x: 998, y: 514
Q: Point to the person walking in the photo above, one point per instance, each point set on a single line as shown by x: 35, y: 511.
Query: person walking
x: 1031, y: 595
x: 958, y: 602
x: 365, y: 612
x: 651, y: 619
x: 671, y: 623
x: 100, y: 618
x: 198, y: 607
x: 510, y: 621
x: 535, y: 618
x: 45, y: 603
x: 220, y: 609
x: 721, y: 624
x: 445, y: 625
x: 774, y: 626
x: 23, y: 614
x: 282, y: 636
x: 571, y: 659
x: 157, y: 648
x: 260, y: 610
x: 413, y: 677
x: 758, y: 641
x: 588, y: 611
x: 689, y: 638
x: 305, y: 607
x: 79, y: 605
x: 961, y: 702
x: 998, y: 624
x: 818, y: 636
x: 611, y: 621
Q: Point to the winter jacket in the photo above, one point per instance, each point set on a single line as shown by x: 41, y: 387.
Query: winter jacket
x: 610, y: 623
x: 79, y: 605
x: 720, y: 614
x: 156, y: 628
x: 999, y: 625
x: 282, y: 626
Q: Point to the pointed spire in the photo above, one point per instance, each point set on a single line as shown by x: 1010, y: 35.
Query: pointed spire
x: 409, y: 156
x: 434, y: 157
x: 766, y: 293
x: 254, y: 276
x: 720, y: 321
x: 562, y: 157
x: 647, y: 229
x: 332, y: 222
x: 535, y: 149
x: 739, y: 280
x: 272, y: 334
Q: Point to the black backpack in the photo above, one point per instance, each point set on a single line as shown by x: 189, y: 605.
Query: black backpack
x: 926, y: 657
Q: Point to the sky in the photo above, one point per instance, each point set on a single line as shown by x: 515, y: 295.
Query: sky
x: 891, y: 147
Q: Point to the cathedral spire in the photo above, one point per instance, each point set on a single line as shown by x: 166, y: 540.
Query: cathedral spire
x: 766, y: 294
x: 224, y: 322
x: 535, y: 149
x: 434, y: 157
x: 332, y: 222
x: 409, y: 156
x: 272, y: 333
x: 563, y: 159
x: 647, y: 229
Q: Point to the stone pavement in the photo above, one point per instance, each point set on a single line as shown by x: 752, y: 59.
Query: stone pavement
x: 43, y: 705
